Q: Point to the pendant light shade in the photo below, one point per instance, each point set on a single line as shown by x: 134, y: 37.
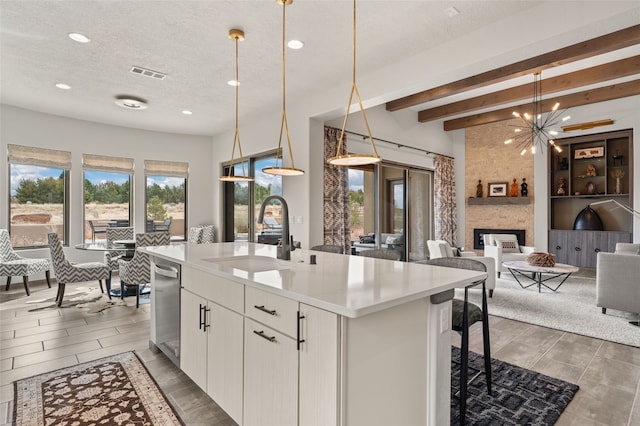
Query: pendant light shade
x: 354, y: 159
x: 236, y: 36
x: 280, y: 170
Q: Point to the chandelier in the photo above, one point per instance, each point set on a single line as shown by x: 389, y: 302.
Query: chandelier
x: 538, y: 129
x: 236, y: 35
x: 354, y: 159
x: 284, y: 125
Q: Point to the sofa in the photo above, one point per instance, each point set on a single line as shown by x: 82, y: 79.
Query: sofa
x: 505, y: 248
x: 617, y: 279
x: 388, y: 241
x: 441, y: 248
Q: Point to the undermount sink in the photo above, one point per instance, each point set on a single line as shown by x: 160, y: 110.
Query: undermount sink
x: 251, y: 264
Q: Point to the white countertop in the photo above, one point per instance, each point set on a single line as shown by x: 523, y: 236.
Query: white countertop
x: 348, y: 285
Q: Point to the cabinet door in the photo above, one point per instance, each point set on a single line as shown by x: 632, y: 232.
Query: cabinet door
x: 193, y: 338
x: 318, y: 367
x: 270, y: 377
x: 224, y: 368
x: 559, y: 245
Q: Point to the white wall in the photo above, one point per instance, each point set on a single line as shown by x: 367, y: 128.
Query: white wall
x: 24, y: 127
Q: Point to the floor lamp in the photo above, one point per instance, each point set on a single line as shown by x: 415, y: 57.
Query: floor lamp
x: 629, y: 210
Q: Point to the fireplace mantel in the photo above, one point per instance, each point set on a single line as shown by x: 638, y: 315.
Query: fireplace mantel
x: 492, y: 201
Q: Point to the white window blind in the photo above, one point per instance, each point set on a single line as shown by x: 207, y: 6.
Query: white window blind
x: 107, y: 164
x: 20, y: 154
x: 166, y: 168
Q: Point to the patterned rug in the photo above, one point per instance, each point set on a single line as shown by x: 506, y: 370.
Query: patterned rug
x: 520, y: 396
x: 90, y: 298
x: 116, y: 390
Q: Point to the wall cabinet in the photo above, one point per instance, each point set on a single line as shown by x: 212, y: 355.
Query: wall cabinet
x: 590, y: 168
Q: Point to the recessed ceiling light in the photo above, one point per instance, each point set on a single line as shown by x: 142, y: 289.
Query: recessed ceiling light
x: 131, y: 102
x: 233, y: 83
x: 295, y: 44
x: 80, y: 38
x: 187, y: 112
x: 63, y: 86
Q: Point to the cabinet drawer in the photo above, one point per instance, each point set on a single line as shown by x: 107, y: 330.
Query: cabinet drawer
x: 275, y: 311
x: 220, y: 290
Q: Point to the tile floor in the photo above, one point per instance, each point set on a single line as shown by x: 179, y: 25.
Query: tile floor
x: 36, y: 342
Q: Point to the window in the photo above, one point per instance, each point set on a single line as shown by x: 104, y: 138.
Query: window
x: 107, y: 194
x: 166, y: 197
x: 38, y: 200
x: 240, y: 220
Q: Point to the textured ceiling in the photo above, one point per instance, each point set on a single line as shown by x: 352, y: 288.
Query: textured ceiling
x: 188, y: 41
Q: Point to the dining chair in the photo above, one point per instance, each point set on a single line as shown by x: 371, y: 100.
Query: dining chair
x: 195, y: 235
x: 464, y: 314
x: 137, y: 271
x: 329, y: 248
x: 13, y: 264
x: 67, y: 272
x: 111, y: 257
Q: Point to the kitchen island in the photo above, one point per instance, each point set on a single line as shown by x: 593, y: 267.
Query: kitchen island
x: 346, y: 341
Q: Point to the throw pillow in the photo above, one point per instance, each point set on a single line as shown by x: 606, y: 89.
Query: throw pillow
x: 366, y: 239
x: 509, y: 246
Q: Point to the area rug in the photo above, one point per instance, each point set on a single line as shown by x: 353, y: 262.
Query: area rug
x: 520, y: 396
x: 572, y: 308
x: 116, y: 390
x: 90, y: 298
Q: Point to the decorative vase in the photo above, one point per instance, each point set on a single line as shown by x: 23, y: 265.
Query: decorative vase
x: 588, y: 220
x: 618, y: 186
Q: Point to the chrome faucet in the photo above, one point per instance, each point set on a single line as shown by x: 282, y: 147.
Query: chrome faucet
x: 285, y: 246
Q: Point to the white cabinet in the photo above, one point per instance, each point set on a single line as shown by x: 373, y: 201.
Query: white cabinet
x: 270, y: 377
x: 212, y: 342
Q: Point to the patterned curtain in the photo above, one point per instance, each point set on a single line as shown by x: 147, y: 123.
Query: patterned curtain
x: 337, y: 230
x: 445, y: 200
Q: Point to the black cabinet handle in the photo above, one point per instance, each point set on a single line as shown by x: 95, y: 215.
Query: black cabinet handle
x: 558, y: 248
x: 206, y: 324
x: 597, y: 250
x: 264, y: 336
x: 263, y: 309
x: 578, y: 249
x: 299, y: 341
x: 201, y: 322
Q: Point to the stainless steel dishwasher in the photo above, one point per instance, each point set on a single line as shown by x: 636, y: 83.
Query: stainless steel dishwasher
x: 165, y: 309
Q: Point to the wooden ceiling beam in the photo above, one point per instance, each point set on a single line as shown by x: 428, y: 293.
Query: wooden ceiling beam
x: 615, y: 91
x: 596, y: 46
x: 604, y: 72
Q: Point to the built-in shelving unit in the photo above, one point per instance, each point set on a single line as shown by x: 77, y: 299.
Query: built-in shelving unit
x: 588, y: 169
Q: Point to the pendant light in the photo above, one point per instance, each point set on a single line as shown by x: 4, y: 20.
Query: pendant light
x: 236, y: 36
x: 537, y: 130
x: 354, y: 159
x: 280, y: 170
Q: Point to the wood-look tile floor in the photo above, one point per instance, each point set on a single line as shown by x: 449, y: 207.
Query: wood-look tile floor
x: 41, y: 341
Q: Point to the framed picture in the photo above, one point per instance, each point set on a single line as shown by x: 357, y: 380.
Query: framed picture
x: 498, y: 189
x: 589, y: 152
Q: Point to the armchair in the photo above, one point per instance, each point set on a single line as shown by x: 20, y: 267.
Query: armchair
x: 441, y: 248
x: 13, y: 264
x: 617, y: 285
x: 505, y: 248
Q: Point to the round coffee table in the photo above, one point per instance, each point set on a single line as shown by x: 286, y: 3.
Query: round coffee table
x: 533, y: 273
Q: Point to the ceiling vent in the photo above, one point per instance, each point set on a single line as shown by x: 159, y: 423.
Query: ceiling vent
x: 147, y: 72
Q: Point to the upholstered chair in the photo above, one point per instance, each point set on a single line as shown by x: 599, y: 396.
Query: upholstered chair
x: 111, y: 257
x: 505, y: 248
x: 382, y: 254
x: 137, y: 271
x: 12, y: 264
x: 202, y: 234
x: 464, y: 314
x: 617, y: 279
x: 67, y: 273
x: 440, y: 248
x: 195, y: 235
x: 328, y: 248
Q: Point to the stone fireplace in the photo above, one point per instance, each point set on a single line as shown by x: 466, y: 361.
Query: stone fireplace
x: 478, y: 241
